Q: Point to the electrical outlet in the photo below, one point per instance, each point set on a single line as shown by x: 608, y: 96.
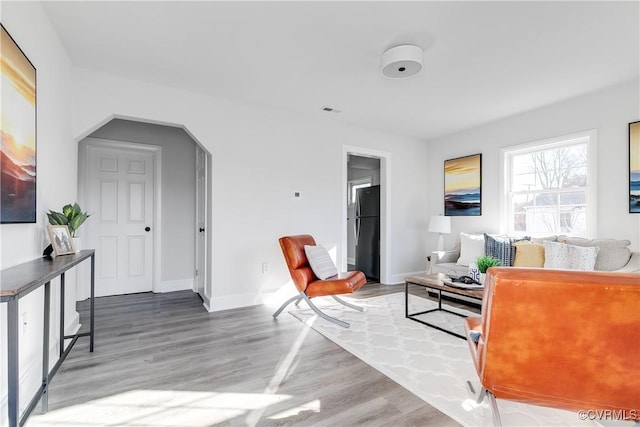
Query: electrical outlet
x: 265, y: 267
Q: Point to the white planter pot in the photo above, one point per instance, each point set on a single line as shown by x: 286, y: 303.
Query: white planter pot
x: 482, y: 277
x: 77, y: 244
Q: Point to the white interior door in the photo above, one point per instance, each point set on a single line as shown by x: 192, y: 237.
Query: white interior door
x: 120, y: 192
x: 201, y: 220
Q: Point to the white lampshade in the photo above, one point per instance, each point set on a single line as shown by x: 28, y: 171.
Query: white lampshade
x: 440, y: 224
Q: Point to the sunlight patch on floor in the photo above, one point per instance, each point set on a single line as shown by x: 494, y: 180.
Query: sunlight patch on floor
x: 164, y: 408
x: 285, y: 366
x: 313, y: 406
x: 280, y: 295
x: 159, y: 408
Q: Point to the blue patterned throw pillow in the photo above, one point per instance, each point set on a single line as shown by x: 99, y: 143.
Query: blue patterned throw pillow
x: 500, y: 247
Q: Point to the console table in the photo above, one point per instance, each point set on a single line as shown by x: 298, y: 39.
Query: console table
x: 15, y: 283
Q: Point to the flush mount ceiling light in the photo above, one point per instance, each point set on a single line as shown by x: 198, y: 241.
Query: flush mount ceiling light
x: 402, y: 61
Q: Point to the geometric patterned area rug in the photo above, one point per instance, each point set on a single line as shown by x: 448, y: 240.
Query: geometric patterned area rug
x: 431, y: 364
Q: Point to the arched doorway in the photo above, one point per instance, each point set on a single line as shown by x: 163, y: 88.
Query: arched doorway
x: 177, y: 239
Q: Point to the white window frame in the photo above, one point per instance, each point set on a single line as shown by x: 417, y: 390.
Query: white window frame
x: 506, y: 153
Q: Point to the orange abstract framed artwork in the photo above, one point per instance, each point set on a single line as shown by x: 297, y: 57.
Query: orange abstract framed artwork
x: 18, y: 134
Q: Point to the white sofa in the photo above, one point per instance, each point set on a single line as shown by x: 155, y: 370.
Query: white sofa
x: 611, y: 255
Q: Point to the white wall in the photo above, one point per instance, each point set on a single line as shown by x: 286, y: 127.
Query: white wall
x: 259, y: 155
x: 178, y: 194
x: 56, y: 186
x: 608, y: 111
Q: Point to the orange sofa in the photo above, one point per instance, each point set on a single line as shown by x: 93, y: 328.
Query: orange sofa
x: 560, y: 338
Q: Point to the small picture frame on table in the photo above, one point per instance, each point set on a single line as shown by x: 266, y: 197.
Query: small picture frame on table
x: 60, y: 240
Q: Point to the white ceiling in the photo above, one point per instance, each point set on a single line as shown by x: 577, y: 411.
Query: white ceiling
x: 482, y: 60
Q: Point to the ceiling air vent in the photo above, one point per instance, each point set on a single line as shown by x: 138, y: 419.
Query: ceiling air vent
x: 330, y: 109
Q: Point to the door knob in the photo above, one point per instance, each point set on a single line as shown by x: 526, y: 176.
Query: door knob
x: 147, y: 229
x: 201, y: 229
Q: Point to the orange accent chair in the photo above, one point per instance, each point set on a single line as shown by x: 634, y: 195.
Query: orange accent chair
x: 309, y: 285
x: 559, y: 338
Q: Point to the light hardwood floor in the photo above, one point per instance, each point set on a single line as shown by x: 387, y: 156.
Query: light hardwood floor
x: 168, y: 343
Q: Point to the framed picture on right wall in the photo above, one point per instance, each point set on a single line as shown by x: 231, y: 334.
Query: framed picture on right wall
x: 634, y: 167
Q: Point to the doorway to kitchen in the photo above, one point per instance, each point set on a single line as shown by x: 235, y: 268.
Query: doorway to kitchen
x: 363, y: 215
x: 366, y: 208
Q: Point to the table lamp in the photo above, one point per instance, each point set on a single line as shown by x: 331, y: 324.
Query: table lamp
x: 441, y: 225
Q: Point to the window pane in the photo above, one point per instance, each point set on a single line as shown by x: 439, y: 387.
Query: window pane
x: 574, y: 177
x: 573, y: 212
x: 522, y: 163
x: 538, y: 184
x: 524, y: 182
x: 550, y: 212
x: 546, y: 200
x: 520, y: 204
x: 552, y: 168
x: 541, y: 213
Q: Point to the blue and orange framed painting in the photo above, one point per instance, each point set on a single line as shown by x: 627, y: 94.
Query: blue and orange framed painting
x: 634, y: 167
x: 463, y: 186
x: 18, y: 134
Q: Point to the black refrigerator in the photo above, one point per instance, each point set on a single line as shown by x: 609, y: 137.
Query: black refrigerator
x: 367, y: 223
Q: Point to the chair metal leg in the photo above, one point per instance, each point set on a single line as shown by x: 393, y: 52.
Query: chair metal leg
x: 296, y: 298
x: 343, y: 302
x: 324, y: 316
x: 316, y: 310
x: 494, y: 409
x: 479, y: 397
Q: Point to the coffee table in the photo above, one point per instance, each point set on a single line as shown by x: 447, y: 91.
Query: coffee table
x: 435, y: 282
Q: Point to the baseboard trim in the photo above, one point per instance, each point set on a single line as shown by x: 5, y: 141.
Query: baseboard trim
x: 31, y: 373
x: 239, y: 300
x: 174, y: 285
x: 398, y: 279
x: 74, y: 325
x: 206, y: 302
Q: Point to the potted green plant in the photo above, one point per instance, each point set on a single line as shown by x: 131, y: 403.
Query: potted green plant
x: 71, y: 216
x: 485, y: 262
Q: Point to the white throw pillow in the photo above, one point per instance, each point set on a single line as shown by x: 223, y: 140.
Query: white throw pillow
x: 320, y: 261
x: 569, y: 257
x: 613, y: 254
x: 471, y: 247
